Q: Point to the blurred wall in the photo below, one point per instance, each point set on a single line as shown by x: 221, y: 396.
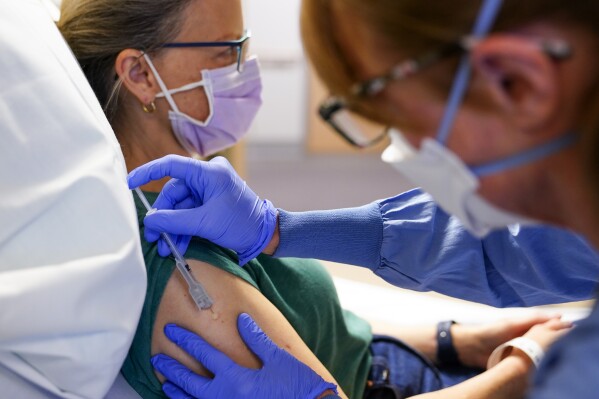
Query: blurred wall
x: 276, y: 41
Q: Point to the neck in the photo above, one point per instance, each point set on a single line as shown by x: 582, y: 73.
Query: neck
x: 571, y: 202
x: 143, y: 139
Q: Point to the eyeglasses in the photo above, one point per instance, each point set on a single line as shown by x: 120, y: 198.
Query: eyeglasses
x: 238, y: 45
x: 336, y: 112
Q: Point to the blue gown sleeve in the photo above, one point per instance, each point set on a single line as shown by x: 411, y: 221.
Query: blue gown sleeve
x: 570, y: 367
x: 410, y: 242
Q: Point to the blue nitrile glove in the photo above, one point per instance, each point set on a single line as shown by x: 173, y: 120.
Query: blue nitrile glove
x: 281, y: 375
x: 181, y: 241
x: 209, y: 200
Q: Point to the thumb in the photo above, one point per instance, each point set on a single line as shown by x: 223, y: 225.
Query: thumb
x: 171, y: 165
x: 179, y: 222
x: 255, y: 338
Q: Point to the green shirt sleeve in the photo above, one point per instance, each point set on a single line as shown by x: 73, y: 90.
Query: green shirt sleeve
x: 300, y: 289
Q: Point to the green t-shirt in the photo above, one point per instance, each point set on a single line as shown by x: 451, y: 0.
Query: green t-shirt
x: 301, y: 289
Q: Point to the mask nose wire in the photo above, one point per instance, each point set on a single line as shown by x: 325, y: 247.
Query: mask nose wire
x: 484, y: 22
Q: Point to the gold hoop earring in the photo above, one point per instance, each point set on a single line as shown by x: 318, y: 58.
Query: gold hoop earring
x: 149, y: 108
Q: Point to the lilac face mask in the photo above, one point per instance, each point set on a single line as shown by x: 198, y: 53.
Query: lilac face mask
x: 233, y: 100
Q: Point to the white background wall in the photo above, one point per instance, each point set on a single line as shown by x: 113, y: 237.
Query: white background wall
x: 276, y: 41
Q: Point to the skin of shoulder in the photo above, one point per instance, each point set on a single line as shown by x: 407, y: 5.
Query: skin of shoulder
x: 231, y: 296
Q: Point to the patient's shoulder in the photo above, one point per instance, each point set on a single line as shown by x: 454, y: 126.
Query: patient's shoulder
x: 205, y: 251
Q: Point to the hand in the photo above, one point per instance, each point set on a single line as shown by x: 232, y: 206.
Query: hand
x: 474, y: 343
x: 281, y: 375
x: 547, y: 333
x: 544, y: 335
x: 209, y: 200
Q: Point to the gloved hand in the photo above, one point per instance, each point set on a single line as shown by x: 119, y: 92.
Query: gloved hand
x: 209, y: 200
x: 281, y: 375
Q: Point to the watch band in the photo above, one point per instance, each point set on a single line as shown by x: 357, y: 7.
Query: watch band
x: 532, y: 349
x: 446, y: 353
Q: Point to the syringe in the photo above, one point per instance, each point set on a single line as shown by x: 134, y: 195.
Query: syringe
x: 198, y: 293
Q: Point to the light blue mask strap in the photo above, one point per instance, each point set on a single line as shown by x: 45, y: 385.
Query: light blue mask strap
x: 484, y: 22
x: 528, y: 156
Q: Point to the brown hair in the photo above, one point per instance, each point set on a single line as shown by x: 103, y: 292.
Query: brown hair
x: 98, y: 30
x: 417, y: 26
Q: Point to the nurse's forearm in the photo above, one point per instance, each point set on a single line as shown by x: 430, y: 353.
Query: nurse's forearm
x: 422, y: 338
x: 352, y: 235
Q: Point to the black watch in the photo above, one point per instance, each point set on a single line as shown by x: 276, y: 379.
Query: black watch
x: 446, y: 353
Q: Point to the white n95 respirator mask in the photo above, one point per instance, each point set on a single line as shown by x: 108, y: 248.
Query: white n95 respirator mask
x: 443, y: 175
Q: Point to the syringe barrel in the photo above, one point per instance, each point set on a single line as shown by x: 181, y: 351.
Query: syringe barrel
x: 200, y: 297
x: 184, y: 269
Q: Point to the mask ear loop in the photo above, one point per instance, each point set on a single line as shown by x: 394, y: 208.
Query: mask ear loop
x: 527, y: 156
x: 187, y: 87
x: 163, y: 88
x: 166, y: 93
x: 484, y: 22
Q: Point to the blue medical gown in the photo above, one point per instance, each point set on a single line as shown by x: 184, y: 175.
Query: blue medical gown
x: 570, y: 369
x: 411, y: 243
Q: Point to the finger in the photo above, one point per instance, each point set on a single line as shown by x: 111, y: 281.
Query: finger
x: 255, y: 338
x: 182, y: 243
x: 174, y: 392
x: 171, y: 165
x: 538, y: 318
x: 213, y: 359
x: 221, y: 161
x: 553, y: 323
x: 151, y: 235
x: 561, y: 324
x: 186, y: 203
x: 172, y: 194
x: 525, y: 323
x: 177, y: 221
x: 163, y: 249
x: 180, y: 375
x: 566, y: 324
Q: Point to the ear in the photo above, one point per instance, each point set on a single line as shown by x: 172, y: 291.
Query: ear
x: 521, y: 79
x: 136, y: 76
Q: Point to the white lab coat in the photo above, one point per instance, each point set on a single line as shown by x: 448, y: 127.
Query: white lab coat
x: 72, y: 279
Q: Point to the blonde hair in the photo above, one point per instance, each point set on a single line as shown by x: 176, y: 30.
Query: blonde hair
x: 98, y: 30
x: 417, y: 26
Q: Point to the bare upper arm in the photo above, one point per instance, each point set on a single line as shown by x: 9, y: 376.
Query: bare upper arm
x: 231, y: 296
